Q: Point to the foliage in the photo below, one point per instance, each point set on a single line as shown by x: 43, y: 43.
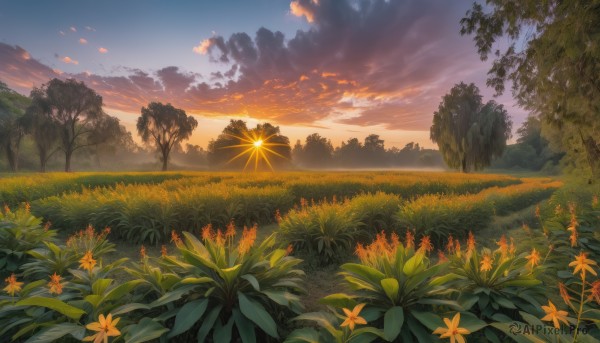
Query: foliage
x: 74, y: 108
x: 317, y: 152
x: 225, y: 285
x: 326, y: 232
x: 549, y: 67
x: 12, y: 128
x: 375, y: 211
x: 496, y: 285
x: 164, y: 126
x: 20, y: 232
x: 469, y: 133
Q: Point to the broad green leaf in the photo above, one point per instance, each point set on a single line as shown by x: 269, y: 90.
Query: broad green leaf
x: 100, y: 285
x: 276, y: 256
x: 252, y: 280
x: 122, y: 290
x: 392, y: 322
x: 339, y: 300
x: 53, y: 304
x: 188, y: 315
x: 244, y: 326
x: 257, y: 314
x: 128, y: 308
x: 58, y: 331
x: 304, y: 335
x: 208, y: 323
x: 144, y: 331
x: 390, y: 287
x: 365, y: 272
x: 222, y: 333
x: 413, y: 264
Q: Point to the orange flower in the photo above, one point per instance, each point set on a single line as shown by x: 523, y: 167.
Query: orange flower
x: 410, y: 239
x: 538, y: 213
x: 502, y: 246
x: 452, y: 330
x: 163, y: 250
x: 289, y: 250
x: 512, y: 248
x: 352, y: 317
x: 395, y: 240
x: 13, y: 286
x: 105, y: 327
x: 247, y: 241
x: 207, y: 233
x: 143, y: 252
x: 27, y: 207
x: 230, y: 232
x: 450, y: 245
x: 175, y: 238
x: 457, y: 247
x: 425, y: 244
x: 564, y: 293
x: 595, y: 201
x: 219, y: 239
x: 583, y: 264
x: 54, y: 284
x: 595, y: 291
x: 47, y: 226
x: 533, y: 258
x: 553, y: 315
x: 486, y: 263
x: 87, y: 262
x: 441, y: 257
x: 361, y: 252
x: 471, y: 242
x: 278, y: 216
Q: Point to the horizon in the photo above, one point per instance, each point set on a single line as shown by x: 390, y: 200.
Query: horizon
x: 327, y: 67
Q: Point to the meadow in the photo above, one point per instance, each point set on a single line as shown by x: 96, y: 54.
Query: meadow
x: 298, y: 257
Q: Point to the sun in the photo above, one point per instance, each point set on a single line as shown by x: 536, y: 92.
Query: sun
x: 257, y: 148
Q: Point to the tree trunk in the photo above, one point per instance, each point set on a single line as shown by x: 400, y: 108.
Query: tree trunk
x: 164, y: 166
x: 592, y: 149
x: 68, y: 155
x: 12, y: 159
x: 42, y: 162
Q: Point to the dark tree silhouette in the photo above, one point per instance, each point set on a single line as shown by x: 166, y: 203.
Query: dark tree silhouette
x: 12, y: 108
x: 164, y: 126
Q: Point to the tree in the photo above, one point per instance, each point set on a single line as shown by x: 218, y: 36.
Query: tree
x: 235, y: 147
x: 44, y: 131
x: 350, y: 154
x: 109, y: 137
x: 553, y: 62
x: 468, y: 133
x: 74, y: 108
x: 374, y: 150
x: 163, y: 126
x: 317, y: 151
x: 12, y: 108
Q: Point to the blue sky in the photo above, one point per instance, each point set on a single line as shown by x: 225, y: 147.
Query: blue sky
x: 341, y: 68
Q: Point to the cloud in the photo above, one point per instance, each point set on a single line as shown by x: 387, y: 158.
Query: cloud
x: 69, y: 60
x: 102, y: 50
x: 62, y: 33
x: 83, y: 41
x: 202, y: 48
x: 377, y: 62
x: 89, y: 28
x: 73, y: 29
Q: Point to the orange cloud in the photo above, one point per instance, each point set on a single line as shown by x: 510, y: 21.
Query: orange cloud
x: 83, y: 41
x: 69, y: 60
x: 202, y: 49
x: 102, y: 50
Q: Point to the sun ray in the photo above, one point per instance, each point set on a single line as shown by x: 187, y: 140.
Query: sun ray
x: 256, y: 147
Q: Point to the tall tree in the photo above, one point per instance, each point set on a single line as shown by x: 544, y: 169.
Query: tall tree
x: 350, y: 154
x: 469, y: 133
x: 74, y: 107
x: 374, y: 150
x: 164, y: 126
x: 109, y: 137
x: 317, y: 151
x: 553, y: 62
x: 12, y: 108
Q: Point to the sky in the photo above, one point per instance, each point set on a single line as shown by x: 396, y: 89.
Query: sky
x: 340, y: 68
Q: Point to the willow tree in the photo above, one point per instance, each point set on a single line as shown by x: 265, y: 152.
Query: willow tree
x: 164, y: 126
x: 553, y: 62
x: 468, y: 132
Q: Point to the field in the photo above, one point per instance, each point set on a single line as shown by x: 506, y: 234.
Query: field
x: 297, y: 256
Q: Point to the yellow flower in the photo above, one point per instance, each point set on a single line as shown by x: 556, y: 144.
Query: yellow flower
x: 583, y: 264
x: 13, y: 286
x: 554, y: 315
x: 106, y: 327
x: 486, y: 263
x: 87, y: 262
x: 54, y: 284
x: 452, y: 331
x: 352, y: 317
x: 533, y: 258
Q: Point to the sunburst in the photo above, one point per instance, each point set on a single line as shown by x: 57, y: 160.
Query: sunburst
x: 256, y: 147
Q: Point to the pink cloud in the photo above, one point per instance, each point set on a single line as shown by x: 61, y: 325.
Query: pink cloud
x: 102, y: 50
x: 83, y: 41
x: 72, y: 28
x: 202, y: 48
x: 69, y: 60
